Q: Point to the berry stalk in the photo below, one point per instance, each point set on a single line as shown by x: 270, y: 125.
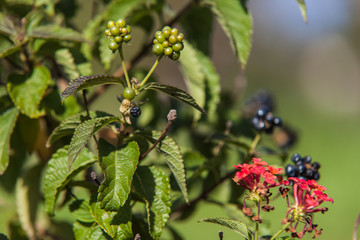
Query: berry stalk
x: 123, y: 66
x: 151, y: 71
x: 280, y: 231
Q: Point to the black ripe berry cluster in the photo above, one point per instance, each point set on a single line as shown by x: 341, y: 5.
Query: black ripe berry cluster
x: 265, y: 121
x: 135, y: 112
x: 168, y: 42
x: 303, y: 168
x: 118, y: 32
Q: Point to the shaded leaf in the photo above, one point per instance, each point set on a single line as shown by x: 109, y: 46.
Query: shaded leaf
x: 57, y: 174
x: 116, y: 224
x: 303, y: 11
x: 65, y: 59
x: 92, y: 32
x: 153, y: 186
x: 234, y: 225
x: 7, y: 124
x: 121, y: 8
x: 3, y: 237
x: 175, y: 93
x: 106, y: 55
x: 83, y: 133
x: 236, y: 21
x: 7, y: 47
x: 84, y: 82
x: 55, y: 32
x: 27, y: 92
x: 118, y: 165
x: 80, y: 209
x: 68, y: 125
x: 171, y: 151
x: 85, y: 231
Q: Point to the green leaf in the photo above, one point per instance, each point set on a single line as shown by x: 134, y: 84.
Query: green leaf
x: 234, y: 225
x: 121, y: 8
x: 116, y: 224
x: 83, y: 133
x: 84, y: 82
x: 65, y: 59
x: 106, y: 55
x: 118, y: 165
x: 57, y: 174
x: 80, y: 209
x: 85, y: 231
x: 175, y: 93
x: 27, y: 92
x: 92, y: 33
x: 303, y: 11
x: 55, y: 32
x: 7, y: 124
x: 153, y: 186
x: 68, y: 125
x: 200, y: 75
x: 7, y: 47
x: 171, y: 151
x: 236, y: 21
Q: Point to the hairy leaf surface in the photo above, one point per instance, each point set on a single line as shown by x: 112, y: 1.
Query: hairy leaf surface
x: 65, y: 59
x: 57, y: 174
x: 118, y: 165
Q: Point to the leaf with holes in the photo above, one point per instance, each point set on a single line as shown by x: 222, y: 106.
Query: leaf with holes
x: 234, y: 225
x: 83, y: 133
x: 116, y: 224
x: 153, y: 186
x: 118, y: 165
x: 236, y: 21
x: 55, y: 32
x: 84, y: 82
x: 68, y: 125
x: 171, y: 151
x: 27, y: 92
x: 175, y: 93
x: 7, y: 124
x: 57, y: 174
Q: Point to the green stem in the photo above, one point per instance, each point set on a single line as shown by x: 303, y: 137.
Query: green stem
x: 256, y: 230
x: 123, y: 66
x: 280, y: 231
x: 151, y: 71
x: 254, y: 143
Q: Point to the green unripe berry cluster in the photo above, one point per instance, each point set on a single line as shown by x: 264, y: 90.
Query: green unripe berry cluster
x: 168, y: 42
x: 118, y: 32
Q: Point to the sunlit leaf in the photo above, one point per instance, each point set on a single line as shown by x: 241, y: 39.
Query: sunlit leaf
x: 7, y: 123
x: 57, y: 174
x: 153, y: 186
x: 86, y: 231
x: 27, y: 92
x: 118, y: 165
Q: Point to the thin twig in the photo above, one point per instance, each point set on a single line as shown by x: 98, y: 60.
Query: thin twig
x: 171, y: 118
x: 357, y: 223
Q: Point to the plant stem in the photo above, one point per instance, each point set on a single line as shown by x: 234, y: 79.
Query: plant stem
x: 280, y: 231
x: 254, y: 143
x: 151, y: 71
x: 256, y: 230
x: 123, y: 66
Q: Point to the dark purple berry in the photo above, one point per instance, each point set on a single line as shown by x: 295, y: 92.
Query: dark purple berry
x: 290, y: 171
x: 304, y: 178
x: 269, y: 117
x: 307, y: 159
x: 270, y: 129
x: 316, y: 165
x: 316, y: 176
x: 260, y: 126
x: 309, y: 173
x: 261, y: 113
x: 135, y: 112
x: 300, y: 168
x: 277, y: 121
x: 296, y: 158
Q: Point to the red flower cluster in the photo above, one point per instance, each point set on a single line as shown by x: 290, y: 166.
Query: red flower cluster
x: 258, y: 178
x: 308, y: 195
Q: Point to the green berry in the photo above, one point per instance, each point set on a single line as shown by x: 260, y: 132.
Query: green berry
x: 118, y: 39
x: 166, y: 33
x: 127, y: 38
x: 168, y: 51
x: 174, y: 31
x: 120, y: 23
x: 166, y: 28
x: 160, y: 38
x: 158, y: 33
x: 155, y: 41
x: 129, y: 93
x: 110, y: 24
x: 124, y: 30
x: 175, y: 55
x: 177, y: 47
x: 107, y: 32
x: 113, y: 46
x: 128, y: 28
x: 165, y: 44
x: 173, y: 39
x: 180, y: 37
x: 158, y: 49
x: 115, y: 31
